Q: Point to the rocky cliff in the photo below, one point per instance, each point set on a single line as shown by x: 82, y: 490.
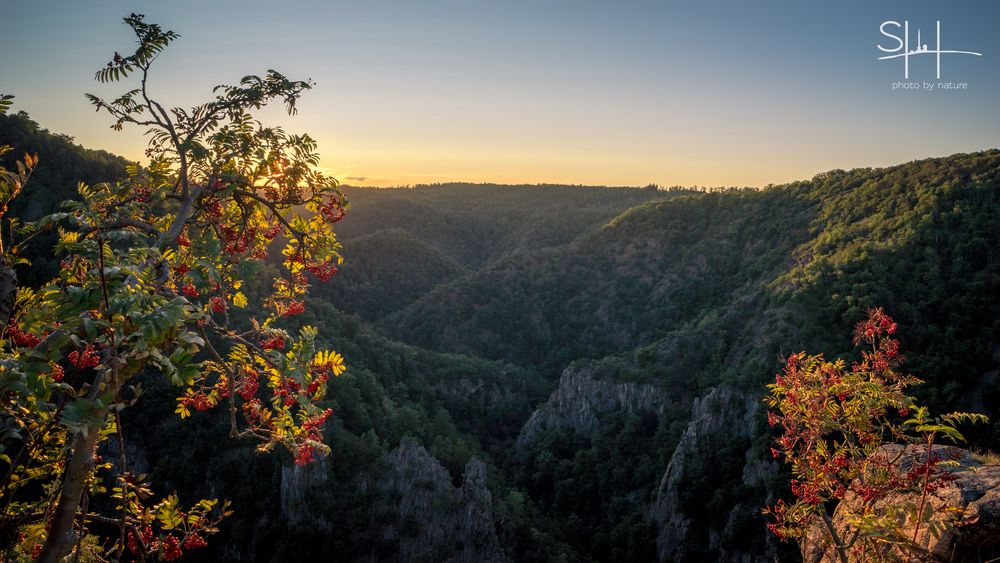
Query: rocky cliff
x: 582, y: 398
x: 430, y: 519
x: 714, y: 448
x: 297, y: 484
x: 415, y: 512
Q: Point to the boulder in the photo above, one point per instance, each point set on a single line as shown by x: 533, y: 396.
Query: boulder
x: 974, y: 494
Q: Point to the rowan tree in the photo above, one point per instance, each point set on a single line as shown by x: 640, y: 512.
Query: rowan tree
x: 151, y: 269
x: 835, y: 420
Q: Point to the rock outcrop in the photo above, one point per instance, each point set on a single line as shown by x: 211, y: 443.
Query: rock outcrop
x: 581, y: 399
x: 974, y: 493
x: 297, y: 482
x: 722, y: 424
x: 432, y: 519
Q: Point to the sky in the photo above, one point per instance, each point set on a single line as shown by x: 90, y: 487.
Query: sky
x: 705, y: 93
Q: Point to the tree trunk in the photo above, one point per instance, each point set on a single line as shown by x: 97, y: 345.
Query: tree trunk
x: 61, y: 538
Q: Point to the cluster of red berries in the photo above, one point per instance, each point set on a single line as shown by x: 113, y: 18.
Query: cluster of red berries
x: 273, y: 342
x: 315, y: 423
x: 182, y: 240
x: 58, y: 373
x: 332, y: 209
x: 251, y: 409
x: 305, y: 454
x: 171, y: 548
x: 779, y: 511
x: 272, y: 231
x: 147, y: 537
x: 212, y: 208
x: 218, y: 304
x: 23, y: 339
x: 288, y: 391
x: 190, y: 290
x: 194, y: 541
x: 198, y: 401
x: 248, y: 384
x: 222, y: 387
x: 808, y: 492
x: 315, y: 383
x: 294, y: 308
x: 237, y: 242
x: 292, y: 194
x: 869, y: 493
x: 876, y: 324
x: 840, y: 461
x: 88, y: 359
x: 773, y: 419
x: 322, y: 270
x: 271, y: 193
x: 306, y: 451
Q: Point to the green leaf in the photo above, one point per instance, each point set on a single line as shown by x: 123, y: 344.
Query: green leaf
x: 90, y: 327
x: 83, y: 415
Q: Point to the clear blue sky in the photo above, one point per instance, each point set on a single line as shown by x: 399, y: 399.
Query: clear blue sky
x: 708, y: 93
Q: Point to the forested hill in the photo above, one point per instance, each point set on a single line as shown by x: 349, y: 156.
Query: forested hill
x: 475, y: 223
x: 565, y: 373
x: 62, y: 166
x: 708, y: 291
x: 920, y: 239
x: 401, y: 242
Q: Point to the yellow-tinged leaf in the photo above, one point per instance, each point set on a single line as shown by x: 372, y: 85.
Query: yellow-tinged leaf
x: 239, y: 300
x: 67, y: 237
x: 330, y: 360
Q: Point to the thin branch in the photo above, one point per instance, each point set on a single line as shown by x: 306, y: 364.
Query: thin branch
x: 122, y: 223
x: 274, y: 210
x: 230, y: 377
x: 122, y: 470
x: 837, y: 542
